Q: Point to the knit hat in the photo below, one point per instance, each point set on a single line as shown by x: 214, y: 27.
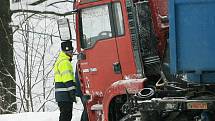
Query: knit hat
x: 66, y: 46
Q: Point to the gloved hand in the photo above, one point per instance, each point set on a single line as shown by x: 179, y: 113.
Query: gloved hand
x: 85, y: 98
x: 73, y: 97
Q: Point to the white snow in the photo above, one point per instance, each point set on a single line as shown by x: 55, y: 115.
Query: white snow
x: 36, y: 116
x: 129, y: 81
x: 42, y: 116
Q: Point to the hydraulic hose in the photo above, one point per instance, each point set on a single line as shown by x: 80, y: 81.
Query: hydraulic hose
x: 146, y: 93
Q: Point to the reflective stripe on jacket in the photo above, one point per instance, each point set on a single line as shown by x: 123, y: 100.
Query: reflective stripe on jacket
x: 65, y: 84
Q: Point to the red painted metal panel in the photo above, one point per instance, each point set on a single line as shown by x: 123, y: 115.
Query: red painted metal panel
x: 100, y: 58
x: 159, y: 9
x: 118, y: 88
x: 125, y: 50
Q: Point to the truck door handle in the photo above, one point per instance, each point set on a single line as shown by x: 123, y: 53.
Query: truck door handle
x: 117, y: 68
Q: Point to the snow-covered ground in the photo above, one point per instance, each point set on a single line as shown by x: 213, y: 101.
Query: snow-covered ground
x: 42, y: 116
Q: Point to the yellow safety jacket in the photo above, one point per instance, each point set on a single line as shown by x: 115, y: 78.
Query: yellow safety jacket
x: 65, y: 84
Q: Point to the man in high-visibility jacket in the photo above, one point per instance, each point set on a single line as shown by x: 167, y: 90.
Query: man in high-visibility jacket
x: 65, y: 85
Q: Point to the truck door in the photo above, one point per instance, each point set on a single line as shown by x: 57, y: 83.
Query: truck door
x: 98, y: 43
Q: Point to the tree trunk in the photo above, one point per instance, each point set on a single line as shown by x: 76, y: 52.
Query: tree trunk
x: 7, y: 67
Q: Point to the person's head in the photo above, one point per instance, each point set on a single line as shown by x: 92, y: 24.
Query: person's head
x: 67, y: 48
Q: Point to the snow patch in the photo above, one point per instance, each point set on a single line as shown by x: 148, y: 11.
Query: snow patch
x: 43, y: 116
x: 129, y: 81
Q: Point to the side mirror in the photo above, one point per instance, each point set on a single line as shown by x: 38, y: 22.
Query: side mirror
x: 64, y: 29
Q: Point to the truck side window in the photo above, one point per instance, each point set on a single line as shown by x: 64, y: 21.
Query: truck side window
x: 95, y: 25
x: 118, y: 19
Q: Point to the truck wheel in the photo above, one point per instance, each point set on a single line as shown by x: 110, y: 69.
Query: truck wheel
x: 181, y: 117
x: 115, y: 113
x: 150, y: 116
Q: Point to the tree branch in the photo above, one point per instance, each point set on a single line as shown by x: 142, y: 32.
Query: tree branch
x: 44, y: 12
x: 59, y: 2
x: 37, y: 2
x: 41, y: 1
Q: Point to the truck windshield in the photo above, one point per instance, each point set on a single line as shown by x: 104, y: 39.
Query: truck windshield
x: 95, y: 25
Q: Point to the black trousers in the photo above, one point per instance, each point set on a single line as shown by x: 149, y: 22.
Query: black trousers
x: 65, y: 111
x: 84, y: 116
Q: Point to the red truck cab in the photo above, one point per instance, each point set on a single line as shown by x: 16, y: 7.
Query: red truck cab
x: 109, y: 58
x: 103, y: 37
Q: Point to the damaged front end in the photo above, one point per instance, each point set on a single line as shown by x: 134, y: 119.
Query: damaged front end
x: 151, y: 104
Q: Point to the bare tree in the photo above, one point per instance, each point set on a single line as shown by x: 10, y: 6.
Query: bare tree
x: 31, y: 51
x: 36, y: 47
x: 7, y: 71
x: 31, y: 65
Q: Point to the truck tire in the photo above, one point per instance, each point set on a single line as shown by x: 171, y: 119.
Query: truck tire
x: 150, y: 116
